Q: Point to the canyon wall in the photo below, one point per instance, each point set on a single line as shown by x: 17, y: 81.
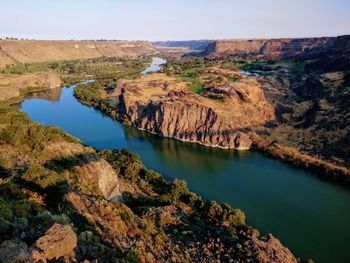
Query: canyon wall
x: 337, y: 57
x: 287, y: 48
x: 283, y: 48
x: 14, y: 52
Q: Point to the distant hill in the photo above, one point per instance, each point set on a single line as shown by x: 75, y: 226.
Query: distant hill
x: 193, y: 45
x: 35, y: 51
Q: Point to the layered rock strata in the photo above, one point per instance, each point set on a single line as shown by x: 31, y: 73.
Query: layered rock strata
x: 163, y: 105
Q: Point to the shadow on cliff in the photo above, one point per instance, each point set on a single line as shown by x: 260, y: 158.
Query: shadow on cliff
x: 69, y: 163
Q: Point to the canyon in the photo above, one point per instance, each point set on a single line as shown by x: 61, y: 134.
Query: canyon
x: 284, y: 97
x: 13, y: 52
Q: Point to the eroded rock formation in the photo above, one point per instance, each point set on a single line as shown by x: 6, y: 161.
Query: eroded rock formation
x: 163, y: 105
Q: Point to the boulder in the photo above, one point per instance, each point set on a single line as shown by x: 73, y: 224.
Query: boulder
x: 59, y: 241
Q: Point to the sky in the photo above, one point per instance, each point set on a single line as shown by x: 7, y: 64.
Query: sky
x: 173, y: 19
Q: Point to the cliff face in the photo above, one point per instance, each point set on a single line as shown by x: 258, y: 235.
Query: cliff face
x: 237, y: 47
x: 36, y: 51
x: 283, y: 48
x: 272, y: 48
x: 337, y: 57
x: 163, y: 105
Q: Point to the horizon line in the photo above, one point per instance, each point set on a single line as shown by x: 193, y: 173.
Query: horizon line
x: 166, y: 40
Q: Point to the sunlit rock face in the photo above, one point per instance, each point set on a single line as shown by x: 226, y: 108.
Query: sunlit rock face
x: 219, y: 118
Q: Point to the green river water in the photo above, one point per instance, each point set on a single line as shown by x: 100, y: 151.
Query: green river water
x: 309, y: 216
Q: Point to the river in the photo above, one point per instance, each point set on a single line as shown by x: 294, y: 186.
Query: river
x: 310, y: 216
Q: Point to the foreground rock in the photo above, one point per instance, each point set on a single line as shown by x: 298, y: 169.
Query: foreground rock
x: 219, y: 117
x: 58, y: 242
x: 269, y: 250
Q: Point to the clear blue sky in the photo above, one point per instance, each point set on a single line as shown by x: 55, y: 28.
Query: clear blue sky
x: 173, y: 19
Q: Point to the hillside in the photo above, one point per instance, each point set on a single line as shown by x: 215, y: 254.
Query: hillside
x: 14, y: 52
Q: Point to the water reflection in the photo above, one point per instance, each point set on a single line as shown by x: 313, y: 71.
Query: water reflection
x: 49, y: 94
x: 186, y: 155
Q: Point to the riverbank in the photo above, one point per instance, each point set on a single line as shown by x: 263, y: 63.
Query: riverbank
x: 324, y: 170
x: 92, y: 96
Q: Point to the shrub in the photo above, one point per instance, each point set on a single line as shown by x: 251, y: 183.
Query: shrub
x: 177, y: 189
x: 41, y: 176
x: 91, y: 247
x: 131, y: 257
x: 124, y: 163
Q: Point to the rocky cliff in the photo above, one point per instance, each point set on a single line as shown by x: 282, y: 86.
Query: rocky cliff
x: 36, y: 51
x: 337, y: 57
x: 283, y: 48
x: 219, y: 117
x: 287, y: 48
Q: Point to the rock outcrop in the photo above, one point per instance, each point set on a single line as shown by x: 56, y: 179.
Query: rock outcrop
x: 94, y: 171
x: 269, y: 250
x: 163, y: 105
x: 59, y: 241
x: 14, y: 52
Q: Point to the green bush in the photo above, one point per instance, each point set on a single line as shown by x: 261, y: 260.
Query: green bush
x: 41, y: 176
x: 91, y: 247
x: 131, y: 257
x: 177, y: 189
x: 28, y: 136
x: 124, y: 163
